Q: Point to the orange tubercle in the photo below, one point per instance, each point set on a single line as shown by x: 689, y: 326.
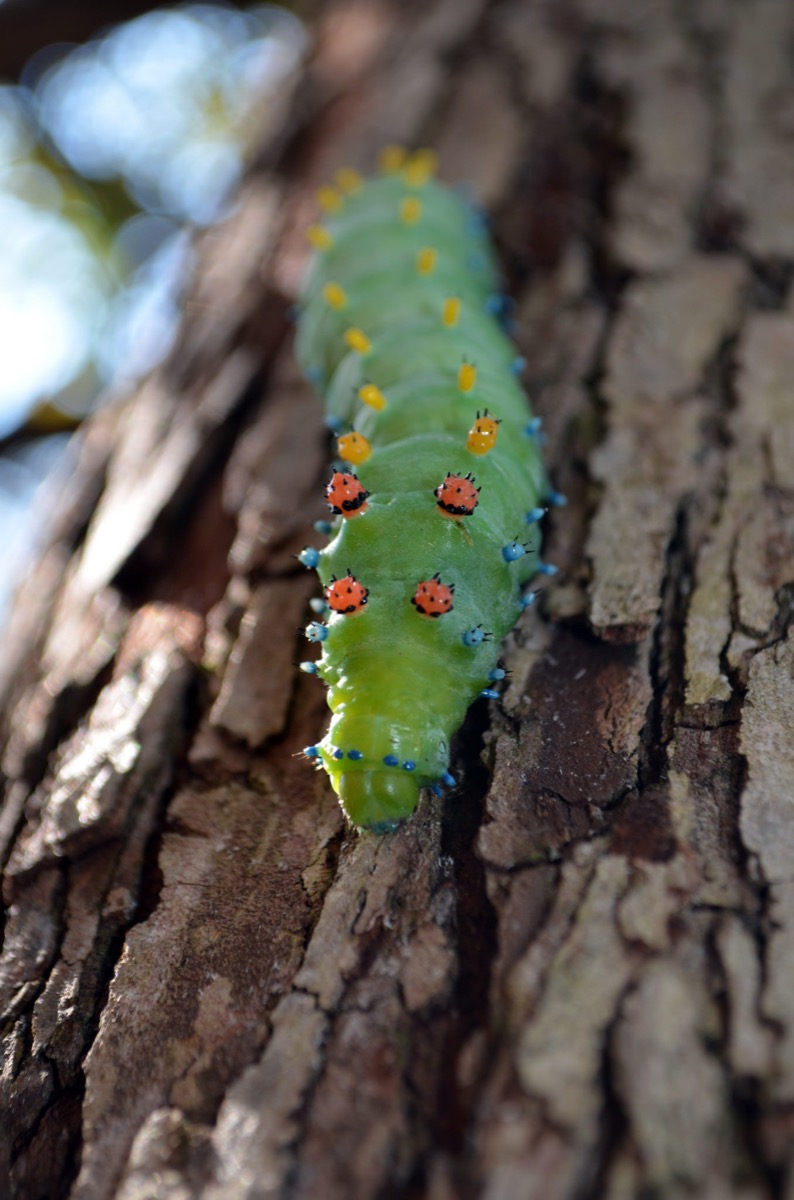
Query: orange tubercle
x: 357, y: 340
x: 392, y: 159
x: 329, y: 199
x: 334, y: 295
x: 420, y: 167
x: 482, y: 435
x: 450, y: 313
x: 467, y: 376
x: 349, y: 180
x: 410, y: 210
x: 426, y: 260
x: 372, y: 396
x: 353, y: 448
x: 319, y: 237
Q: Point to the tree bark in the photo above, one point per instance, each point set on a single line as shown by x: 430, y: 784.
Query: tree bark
x: 572, y: 978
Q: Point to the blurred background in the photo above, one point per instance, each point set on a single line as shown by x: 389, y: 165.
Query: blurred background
x: 117, y: 137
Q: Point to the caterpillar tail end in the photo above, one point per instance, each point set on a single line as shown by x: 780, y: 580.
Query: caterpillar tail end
x: 377, y: 800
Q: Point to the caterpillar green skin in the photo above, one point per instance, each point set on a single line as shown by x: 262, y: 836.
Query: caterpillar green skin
x: 400, y: 683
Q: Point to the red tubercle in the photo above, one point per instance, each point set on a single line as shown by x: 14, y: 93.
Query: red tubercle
x: 346, y: 495
x: 433, y: 598
x: 457, y: 496
x: 346, y: 595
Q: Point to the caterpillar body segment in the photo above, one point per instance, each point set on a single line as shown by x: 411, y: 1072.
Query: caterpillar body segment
x: 397, y: 322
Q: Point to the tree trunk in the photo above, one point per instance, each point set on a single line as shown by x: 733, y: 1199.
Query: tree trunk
x: 573, y: 977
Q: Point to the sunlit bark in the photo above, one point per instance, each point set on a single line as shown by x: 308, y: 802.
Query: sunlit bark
x: 572, y: 977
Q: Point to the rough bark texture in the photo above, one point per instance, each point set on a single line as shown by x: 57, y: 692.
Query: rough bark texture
x: 573, y: 977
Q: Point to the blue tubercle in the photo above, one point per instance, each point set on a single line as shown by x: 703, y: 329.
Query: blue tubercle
x: 474, y: 637
x: 477, y: 221
x: 448, y: 780
x: 309, y: 556
x: 527, y: 599
x: 337, y: 753
x: 408, y: 765
x: 335, y: 424
x: 535, y: 514
x: 547, y: 569
x: 518, y: 365
x: 391, y: 761
x: 318, y: 605
x: 324, y: 527
x: 514, y: 550
x: 533, y: 428
x: 496, y: 304
x: 316, y: 632
x: 310, y: 668
x: 489, y: 694
x: 497, y: 673
x: 356, y: 755
x: 557, y: 499
x: 311, y: 751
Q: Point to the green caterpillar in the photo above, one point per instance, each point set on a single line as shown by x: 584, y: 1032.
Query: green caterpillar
x: 441, y: 487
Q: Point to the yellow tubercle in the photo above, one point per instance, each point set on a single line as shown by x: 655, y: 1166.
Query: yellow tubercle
x: 450, y: 313
x: 426, y: 260
x: 319, y: 237
x: 329, y: 199
x: 482, y: 435
x: 335, y: 296
x: 372, y: 396
x: 353, y: 448
x: 349, y: 180
x: 410, y: 210
x: 356, y: 339
x: 420, y: 167
x: 467, y: 376
x: 391, y: 159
